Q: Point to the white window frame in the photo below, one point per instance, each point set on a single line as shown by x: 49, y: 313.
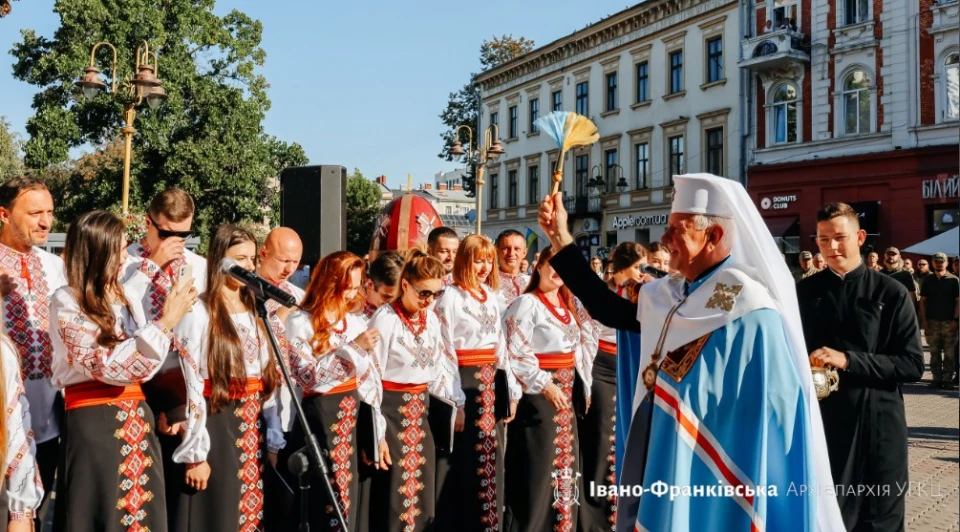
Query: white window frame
x: 839, y: 104
x: 772, y: 118
x: 941, y: 85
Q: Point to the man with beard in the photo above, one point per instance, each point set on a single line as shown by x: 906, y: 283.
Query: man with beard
x: 863, y: 324
x: 806, y: 267
x: 893, y: 266
x: 442, y: 243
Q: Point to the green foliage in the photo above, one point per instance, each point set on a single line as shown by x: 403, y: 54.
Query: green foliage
x: 207, y: 138
x: 463, y: 106
x: 363, y: 207
x: 10, y: 164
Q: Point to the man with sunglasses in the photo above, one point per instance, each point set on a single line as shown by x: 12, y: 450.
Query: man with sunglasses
x: 153, y: 265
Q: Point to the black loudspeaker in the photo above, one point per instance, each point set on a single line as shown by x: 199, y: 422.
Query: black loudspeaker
x: 313, y: 203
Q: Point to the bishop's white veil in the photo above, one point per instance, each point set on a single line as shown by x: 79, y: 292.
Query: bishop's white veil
x: 755, y: 247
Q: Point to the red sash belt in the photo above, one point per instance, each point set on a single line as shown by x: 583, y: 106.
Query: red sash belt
x: 555, y: 360
x: 238, y: 389
x: 348, y: 386
x: 96, y: 393
x: 475, y: 357
x: 609, y: 348
x: 389, y: 386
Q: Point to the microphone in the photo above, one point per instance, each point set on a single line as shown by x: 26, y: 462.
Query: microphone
x: 650, y: 270
x: 262, y: 288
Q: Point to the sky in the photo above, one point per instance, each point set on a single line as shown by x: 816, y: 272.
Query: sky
x: 356, y: 83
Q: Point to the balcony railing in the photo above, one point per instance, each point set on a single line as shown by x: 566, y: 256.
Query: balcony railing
x: 774, y: 49
x: 583, y: 204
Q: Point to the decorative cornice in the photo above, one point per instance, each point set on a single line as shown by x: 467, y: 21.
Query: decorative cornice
x: 713, y: 114
x: 674, y: 39
x: 616, y: 31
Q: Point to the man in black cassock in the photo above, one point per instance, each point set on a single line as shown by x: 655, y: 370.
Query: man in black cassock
x: 863, y: 323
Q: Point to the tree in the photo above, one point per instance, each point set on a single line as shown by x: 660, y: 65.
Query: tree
x: 463, y: 107
x: 10, y: 164
x: 363, y: 207
x: 207, y: 138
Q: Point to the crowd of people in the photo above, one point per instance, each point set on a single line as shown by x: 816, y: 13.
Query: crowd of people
x: 141, y: 387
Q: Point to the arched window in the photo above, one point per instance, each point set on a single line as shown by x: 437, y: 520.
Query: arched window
x: 784, y: 114
x: 951, y: 87
x: 856, y: 103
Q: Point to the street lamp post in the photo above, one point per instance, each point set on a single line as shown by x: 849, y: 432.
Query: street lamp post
x: 488, y: 149
x: 143, y: 86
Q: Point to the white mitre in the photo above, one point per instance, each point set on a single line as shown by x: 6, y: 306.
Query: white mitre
x: 701, y: 194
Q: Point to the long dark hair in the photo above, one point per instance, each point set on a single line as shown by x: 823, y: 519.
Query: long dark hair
x: 224, y: 350
x: 564, y: 293
x: 92, y: 260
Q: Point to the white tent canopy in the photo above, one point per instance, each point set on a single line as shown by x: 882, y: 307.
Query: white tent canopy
x: 948, y: 242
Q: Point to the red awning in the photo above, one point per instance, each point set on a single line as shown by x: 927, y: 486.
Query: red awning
x: 780, y: 225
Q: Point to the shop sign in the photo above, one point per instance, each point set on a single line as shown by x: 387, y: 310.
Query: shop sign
x: 777, y: 203
x: 942, y: 188
x: 645, y: 220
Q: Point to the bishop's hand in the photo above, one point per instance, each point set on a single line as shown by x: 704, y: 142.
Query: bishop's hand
x: 552, y: 217
x: 826, y: 357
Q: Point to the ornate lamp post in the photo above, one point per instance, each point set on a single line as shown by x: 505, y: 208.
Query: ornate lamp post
x: 487, y: 150
x: 143, y: 86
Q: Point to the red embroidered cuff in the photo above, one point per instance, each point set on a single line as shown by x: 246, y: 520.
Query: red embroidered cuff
x: 25, y: 515
x: 166, y: 332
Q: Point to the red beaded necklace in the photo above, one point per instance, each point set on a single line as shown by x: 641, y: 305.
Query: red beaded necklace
x: 416, y: 326
x: 342, y: 329
x: 565, y: 319
x: 481, y: 298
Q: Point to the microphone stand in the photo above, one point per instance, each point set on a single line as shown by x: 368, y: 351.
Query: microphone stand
x: 312, y: 444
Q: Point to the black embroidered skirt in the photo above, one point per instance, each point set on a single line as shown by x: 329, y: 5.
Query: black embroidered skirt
x: 467, y: 479
x: 597, y: 447
x: 542, y: 464
x: 233, y: 500
x: 110, y: 476
x: 333, y: 419
x: 403, y: 499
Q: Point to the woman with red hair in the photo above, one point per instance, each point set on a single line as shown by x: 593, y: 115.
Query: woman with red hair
x: 468, y: 487
x: 330, y: 354
x: 550, y: 340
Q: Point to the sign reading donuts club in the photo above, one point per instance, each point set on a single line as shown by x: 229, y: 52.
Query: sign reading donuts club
x: 776, y: 203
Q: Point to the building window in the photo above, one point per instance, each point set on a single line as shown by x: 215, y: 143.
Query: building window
x: 785, y: 15
x: 533, y: 184
x: 676, y: 71
x: 675, y: 156
x: 951, y: 86
x: 643, y: 165
x: 715, y: 151
x: 512, y: 195
x: 582, y: 168
x: 534, y: 114
x: 494, y: 191
x: 495, y: 119
x: 612, y: 101
x: 856, y: 103
x: 513, y: 121
x: 784, y: 114
x: 558, y: 100
x: 714, y: 59
x: 643, y: 82
x: 583, y: 93
x: 610, y: 174
x: 856, y: 11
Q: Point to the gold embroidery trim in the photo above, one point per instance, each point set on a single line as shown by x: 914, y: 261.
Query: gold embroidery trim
x: 680, y: 361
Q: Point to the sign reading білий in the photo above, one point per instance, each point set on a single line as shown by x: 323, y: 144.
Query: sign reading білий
x: 946, y: 187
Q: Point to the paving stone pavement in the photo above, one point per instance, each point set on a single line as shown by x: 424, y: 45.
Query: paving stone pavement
x: 933, y: 421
